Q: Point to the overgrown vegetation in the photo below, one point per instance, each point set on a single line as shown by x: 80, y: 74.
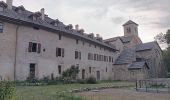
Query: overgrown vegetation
x: 165, y: 39
x: 7, y: 90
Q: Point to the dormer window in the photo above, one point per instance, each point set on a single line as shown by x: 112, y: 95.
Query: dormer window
x: 35, y: 16
x: 3, y: 5
x: 69, y: 27
x: 1, y: 9
x: 55, y: 22
x: 20, y: 9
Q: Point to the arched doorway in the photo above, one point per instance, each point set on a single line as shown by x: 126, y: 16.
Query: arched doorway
x: 83, y: 74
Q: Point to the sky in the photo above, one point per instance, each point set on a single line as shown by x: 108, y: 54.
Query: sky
x: 106, y: 17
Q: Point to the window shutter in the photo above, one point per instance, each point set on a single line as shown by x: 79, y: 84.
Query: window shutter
x: 62, y: 52
x: 39, y: 48
x: 30, y: 47
x: 76, y: 54
x: 80, y: 55
x: 56, y: 52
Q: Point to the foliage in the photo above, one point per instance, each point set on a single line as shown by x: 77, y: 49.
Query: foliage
x: 91, y: 80
x: 160, y: 38
x: 71, y: 73
x: 165, y: 38
x: 166, y: 58
x: 6, y: 90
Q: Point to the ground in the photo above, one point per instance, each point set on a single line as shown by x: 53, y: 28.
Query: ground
x: 51, y: 92
x: 123, y: 94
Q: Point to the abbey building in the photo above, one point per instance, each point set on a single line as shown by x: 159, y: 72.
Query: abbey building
x: 34, y: 45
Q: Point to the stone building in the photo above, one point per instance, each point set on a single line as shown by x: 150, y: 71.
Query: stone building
x: 34, y: 45
x: 137, y: 60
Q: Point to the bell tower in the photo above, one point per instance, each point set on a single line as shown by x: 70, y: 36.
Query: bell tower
x: 130, y: 28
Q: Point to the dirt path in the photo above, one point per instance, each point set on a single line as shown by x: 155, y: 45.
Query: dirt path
x: 123, y: 94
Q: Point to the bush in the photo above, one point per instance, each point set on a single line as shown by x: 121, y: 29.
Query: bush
x: 6, y: 90
x: 91, y: 80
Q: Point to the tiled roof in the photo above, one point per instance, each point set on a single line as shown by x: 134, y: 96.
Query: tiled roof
x: 23, y: 18
x: 125, y: 39
x: 129, y: 22
x: 111, y: 39
x: 145, y: 46
x: 127, y: 56
x: 138, y: 65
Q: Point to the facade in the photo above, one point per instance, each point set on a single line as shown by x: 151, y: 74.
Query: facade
x: 32, y: 45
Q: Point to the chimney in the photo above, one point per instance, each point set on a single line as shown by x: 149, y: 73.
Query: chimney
x: 42, y: 13
x: 9, y: 3
x: 77, y: 27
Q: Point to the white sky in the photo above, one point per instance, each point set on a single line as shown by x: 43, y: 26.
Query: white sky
x: 105, y: 17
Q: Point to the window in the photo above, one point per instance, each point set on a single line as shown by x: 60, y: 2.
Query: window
x: 59, y: 36
x: 83, y: 43
x: 59, y: 69
x: 59, y: 52
x: 77, y: 55
x: 77, y: 41
x: 110, y: 59
x: 34, y: 47
x: 32, y: 70
x: 90, y: 56
x: 1, y: 27
x: 128, y: 30
x: 106, y: 69
x: 95, y: 56
x: 90, y: 70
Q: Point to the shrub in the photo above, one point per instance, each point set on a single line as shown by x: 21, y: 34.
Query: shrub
x: 6, y: 90
x: 91, y: 80
x: 81, y: 81
x: 71, y: 74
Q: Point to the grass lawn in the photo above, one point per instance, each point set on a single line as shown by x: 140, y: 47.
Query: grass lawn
x: 50, y: 92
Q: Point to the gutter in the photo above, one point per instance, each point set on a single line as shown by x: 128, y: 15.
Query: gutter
x: 16, y: 45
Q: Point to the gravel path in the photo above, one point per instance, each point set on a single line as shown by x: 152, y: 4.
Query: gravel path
x: 123, y: 94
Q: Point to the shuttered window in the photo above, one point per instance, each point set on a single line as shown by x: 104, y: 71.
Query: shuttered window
x: 59, y: 52
x: 34, y: 47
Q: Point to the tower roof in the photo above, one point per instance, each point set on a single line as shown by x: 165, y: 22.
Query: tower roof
x: 130, y: 22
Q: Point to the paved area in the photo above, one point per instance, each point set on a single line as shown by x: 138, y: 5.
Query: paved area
x: 123, y: 94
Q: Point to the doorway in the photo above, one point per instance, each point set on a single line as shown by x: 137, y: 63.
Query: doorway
x: 98, y: 75
x: 83, y: 74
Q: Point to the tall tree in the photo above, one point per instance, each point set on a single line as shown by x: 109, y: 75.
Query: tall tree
x: 165, y: 39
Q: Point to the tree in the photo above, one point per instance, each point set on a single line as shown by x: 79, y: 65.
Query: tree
x: 165, y: 39
x: 160, y: 38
